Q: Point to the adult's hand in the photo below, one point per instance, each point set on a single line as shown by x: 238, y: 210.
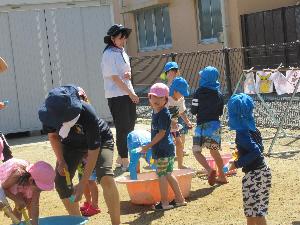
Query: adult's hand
x: 127, y: 75
x: 134, y: 98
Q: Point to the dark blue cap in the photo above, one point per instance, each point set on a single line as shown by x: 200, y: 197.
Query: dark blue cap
x: 62, y: 105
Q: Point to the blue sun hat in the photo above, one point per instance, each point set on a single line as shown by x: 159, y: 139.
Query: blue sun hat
x: 240, y: 112
x: 209, y: 78
x: 179, y: 84
x: 63, y: 104
x: 168, y: 67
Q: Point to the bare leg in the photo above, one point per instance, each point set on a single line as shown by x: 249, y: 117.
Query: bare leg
x: 163, y: 187
x: 179, y: 153
x: 219, y: 162
x: 175, y: 187
x: 202, y: 160
x: 261, y: 220
x: 93, y: 193
x: 72, y: 208
x: 111, y: 197
x: 87, y: 194
x: 251, y: 221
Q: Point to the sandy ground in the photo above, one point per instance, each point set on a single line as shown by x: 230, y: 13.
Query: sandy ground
x: 206, y: 205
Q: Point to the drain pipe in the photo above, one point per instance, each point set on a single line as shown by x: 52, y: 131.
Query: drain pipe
x: 225, y: 22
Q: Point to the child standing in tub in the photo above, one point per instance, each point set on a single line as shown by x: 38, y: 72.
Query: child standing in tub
x: 163, y: 147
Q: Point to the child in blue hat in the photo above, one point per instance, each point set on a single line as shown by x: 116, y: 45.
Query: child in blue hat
x: 178, y: 90
x: 256, y: 182
x: 208, y: 105
x: 170, y: 72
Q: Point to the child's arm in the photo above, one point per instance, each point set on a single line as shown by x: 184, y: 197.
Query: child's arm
x: 154, y: 141
x: 34, y: 206
x: 244, y: 140
x: 11, y: 181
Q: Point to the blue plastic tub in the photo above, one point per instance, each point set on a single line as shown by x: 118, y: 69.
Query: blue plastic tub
x: 62, y: 220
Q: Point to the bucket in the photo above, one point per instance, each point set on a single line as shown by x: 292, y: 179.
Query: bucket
x: 226, y: 157
x: 145, y: 190
x: 61, y: 220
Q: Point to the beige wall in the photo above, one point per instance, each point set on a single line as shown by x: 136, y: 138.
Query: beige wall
x: 184, y: 22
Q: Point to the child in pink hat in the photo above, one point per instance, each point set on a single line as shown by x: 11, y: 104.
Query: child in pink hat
x: 23, y: 183
x: 163, y: 150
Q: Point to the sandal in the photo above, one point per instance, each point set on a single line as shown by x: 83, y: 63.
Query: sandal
x: 159, y: 207
x: 177, y: 204
x: 212, y: 177
x: 90, y: 211
x: 85, y: 206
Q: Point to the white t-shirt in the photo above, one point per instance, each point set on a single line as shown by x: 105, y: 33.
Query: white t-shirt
x: 180, y: 105
x: 115, y: 61
x: 293, y: 76
x: 249, y: 83
x: 263, y: 83
x: 281, y: 84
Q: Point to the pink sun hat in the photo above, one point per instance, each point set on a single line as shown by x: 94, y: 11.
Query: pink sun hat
x: 43, y: 175
x: 1, y: 149
x: 159, y: 90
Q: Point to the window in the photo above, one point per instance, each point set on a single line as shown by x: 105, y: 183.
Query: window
x: 154, y: 29
x: 210, y: 20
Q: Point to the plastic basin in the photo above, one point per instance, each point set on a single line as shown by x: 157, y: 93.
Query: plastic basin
x: 145, y: 190
x: 62, y: 220
x: 226, y: 157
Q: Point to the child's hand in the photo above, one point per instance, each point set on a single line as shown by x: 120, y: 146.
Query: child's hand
x: 189, y: 125
x: 231, y: 165
x: 20, y: 203
x: 144, y: 149
x: 78, y: 191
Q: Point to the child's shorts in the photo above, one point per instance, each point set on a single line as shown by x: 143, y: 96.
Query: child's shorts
x: 184, y: 129
x: 256, y: 186
x: 164, y: 166
x: 207, y: 135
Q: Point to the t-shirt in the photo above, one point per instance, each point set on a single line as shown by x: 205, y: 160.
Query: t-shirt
x: 263, y: 83
x: 115, y: 61
x: 88, y: 133
x: 281, y: 83
x: 249, y: 83
x: 165, y: 147
x: 293, y: 76
x: 175, y: 108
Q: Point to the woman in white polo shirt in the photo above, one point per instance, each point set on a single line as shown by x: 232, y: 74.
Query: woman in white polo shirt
x: 118, y: 88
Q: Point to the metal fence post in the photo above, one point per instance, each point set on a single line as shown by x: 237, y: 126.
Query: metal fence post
x: 227, y: 70
x: 173, y: 56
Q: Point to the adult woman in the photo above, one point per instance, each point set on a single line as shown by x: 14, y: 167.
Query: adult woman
x: 118, y: 88
x: 74, y: 130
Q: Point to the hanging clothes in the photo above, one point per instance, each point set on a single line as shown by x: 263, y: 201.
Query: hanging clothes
x: 282, y: 86
x: 293, y: 76
x: 263, y: 84
x: 249, y: 83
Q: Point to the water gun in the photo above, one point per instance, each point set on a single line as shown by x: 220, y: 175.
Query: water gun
x: 69, y: 184
x: 235, y: 156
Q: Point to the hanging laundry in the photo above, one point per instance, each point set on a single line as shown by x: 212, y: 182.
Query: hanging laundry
x: 263, y: 84
x: 282, y: 86
x: 249, y: 83
x: 293, y: 76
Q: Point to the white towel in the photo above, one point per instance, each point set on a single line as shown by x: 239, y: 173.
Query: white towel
x: 66, y: 127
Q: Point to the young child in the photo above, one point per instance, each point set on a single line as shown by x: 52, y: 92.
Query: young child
x: 256, y: 182
x: 208, y: 105
x: 178, y: 90
x: 23, y: 182
x: 90, y: 206
x: 171, y: 70
x: 163, y: 147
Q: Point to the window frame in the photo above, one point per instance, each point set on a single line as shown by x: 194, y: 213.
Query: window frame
x: 156, y: 47
x: 206, y: 40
